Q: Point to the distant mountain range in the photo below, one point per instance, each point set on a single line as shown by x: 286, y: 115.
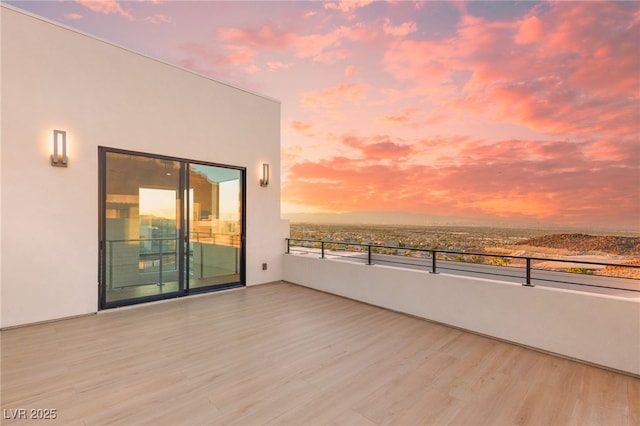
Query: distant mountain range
x: 404, y: 218
x: 582, y: 243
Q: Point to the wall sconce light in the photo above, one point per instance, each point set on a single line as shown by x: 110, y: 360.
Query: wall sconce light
x: 59, y: 156
x: 264, y: 180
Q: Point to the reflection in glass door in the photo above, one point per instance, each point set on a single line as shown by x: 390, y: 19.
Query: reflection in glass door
x: 215, y: 225
x: 149, y: 249
x: 142, y: 227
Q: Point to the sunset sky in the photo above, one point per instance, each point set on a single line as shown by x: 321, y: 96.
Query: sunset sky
x: 434, y: 112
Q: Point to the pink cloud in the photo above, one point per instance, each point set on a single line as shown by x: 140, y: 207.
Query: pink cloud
x: 347, y: 5
x: 530, y: 31
x: 333, y: 97
x: 228, y: 62
x: 234, y: 54
x: 400, y: 30
x: 581, y: 77
x: 239, y: 55
x: 109, y: 7
x: 350, y: 70
x: 322, y: 47
x: 332, y: 57
x: 277, y: 65
x: 367, y: 32
x: 73, y: 16
x: 427, y: 64
x: 265, y: 36
x: 106, y: 7
x: 624, y: 151
x: 241, y: 47
x: 158, y: 18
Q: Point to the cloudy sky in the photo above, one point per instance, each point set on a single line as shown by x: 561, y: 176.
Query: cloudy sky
x: 498, y: 112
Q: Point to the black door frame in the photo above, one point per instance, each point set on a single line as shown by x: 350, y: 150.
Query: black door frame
x: 183, y: 230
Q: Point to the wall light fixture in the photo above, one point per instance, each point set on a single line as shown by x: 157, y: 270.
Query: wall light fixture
x: 59, y: 156
x: 264, y: 180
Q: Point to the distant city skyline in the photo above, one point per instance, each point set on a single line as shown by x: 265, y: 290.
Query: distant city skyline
x: 469, y: 112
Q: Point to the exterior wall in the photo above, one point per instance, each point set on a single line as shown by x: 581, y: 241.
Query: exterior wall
x: 103, y: 95
x: 603, y: 330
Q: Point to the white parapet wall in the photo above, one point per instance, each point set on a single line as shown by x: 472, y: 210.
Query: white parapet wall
x: 596, y: 328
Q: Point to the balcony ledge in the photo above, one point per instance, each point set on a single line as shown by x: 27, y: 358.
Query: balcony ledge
x: 595, y: 328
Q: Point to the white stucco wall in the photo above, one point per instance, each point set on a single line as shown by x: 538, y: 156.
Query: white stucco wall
x: 600, y: 329
x: 103, y: 95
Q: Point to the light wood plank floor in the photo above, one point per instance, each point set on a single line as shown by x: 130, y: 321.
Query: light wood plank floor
x: 284, y: 354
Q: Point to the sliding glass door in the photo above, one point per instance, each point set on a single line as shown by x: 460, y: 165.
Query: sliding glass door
x: 214, y: 225
x: 168, y: 227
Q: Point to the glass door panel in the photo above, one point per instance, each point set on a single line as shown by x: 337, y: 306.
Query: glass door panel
x: 142, y: 253
x: 215, y: 226
x: 167, y: 227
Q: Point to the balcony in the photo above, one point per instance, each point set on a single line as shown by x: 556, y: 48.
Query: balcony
x: 285, y: 354
x: 599, y: 325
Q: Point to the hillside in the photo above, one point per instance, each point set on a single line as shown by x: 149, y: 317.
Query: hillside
x: 587, y: 244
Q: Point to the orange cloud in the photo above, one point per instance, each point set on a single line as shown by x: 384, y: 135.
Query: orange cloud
x: 335, y: 96
x: 396, y: 119
x: 523, y: 180
x: 302, y: 128
x: 377, y: 149
x: 405, y: 116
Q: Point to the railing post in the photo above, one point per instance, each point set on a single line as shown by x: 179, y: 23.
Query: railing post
x: 288, y: 246
x: 369, y: 261
x: 528, y: 282
x: 202, y: 260
x: 160, y: 272
x: 110, y: 265
x: 322, y: 250
x: 433, y: 262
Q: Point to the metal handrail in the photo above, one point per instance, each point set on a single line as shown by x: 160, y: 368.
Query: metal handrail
x: 160, y: 253
x: 434, y: 254
x: 231, y: 240
x: 231, y: 237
